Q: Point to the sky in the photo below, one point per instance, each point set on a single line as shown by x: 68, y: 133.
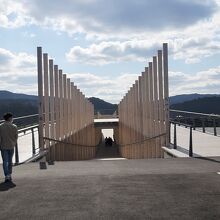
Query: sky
x: 103, y: 46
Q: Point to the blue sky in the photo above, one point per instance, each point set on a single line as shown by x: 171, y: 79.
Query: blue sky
x: 104, y: 45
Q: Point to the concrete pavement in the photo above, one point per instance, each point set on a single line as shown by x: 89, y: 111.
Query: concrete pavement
x: 178, y: 188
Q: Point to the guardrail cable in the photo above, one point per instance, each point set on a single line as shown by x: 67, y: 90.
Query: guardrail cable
x: 65, y: 142
x: 147, y: 139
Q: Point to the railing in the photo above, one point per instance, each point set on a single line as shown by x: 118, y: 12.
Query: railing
x: 28, y: 135
x: 193, y: 121
x: 175, y: 136
x: 106, y: 113
x: 34, y: 147
x: 27, y: 126
x: 207, y: 123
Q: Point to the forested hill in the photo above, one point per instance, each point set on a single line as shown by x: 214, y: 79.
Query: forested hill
x: 102, y: 106
x: 6, y: 95
x: 19, y: 107
x: 22, y: 104
x: 189, y: 97
x: 209, y: 105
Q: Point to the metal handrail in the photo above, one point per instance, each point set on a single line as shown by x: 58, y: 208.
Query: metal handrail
x: 22, y: 117
x: 180, y: 123
x: 27, y: 128
x: 190, y: 136
x: 24, y: 130
x: 32, y: 129
x: 196, y: 113
x: 200, y: 119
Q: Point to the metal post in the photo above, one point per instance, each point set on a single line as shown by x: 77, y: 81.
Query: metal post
x: 174, y: 141
x: 16, y: 154
x: 178, y: 119
x: 190, y: 143
x: 185, y: 121
x: 194, y: 124
x: 169, y: 132
x: 203, y: 125
x: 214, y: 126
x: 33, y: 142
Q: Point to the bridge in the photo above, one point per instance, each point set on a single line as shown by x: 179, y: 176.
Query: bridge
x: 204, y: 130
x: 164, y: 163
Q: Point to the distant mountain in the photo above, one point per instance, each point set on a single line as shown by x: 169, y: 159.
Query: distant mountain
x: 18, y: 104
x: 19, y: 107
x: 10, y: 95
x: 22, y: 104
x: 209, y: 105
x: 102, y: 106
x: 188, y: 97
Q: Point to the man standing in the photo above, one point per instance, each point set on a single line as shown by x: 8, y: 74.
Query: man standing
x: 8, y: 140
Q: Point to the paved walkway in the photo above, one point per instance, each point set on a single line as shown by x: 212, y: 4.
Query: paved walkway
x: 180, y: 188
x: 205, y: 145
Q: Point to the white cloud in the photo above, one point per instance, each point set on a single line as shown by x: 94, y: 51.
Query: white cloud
x: 13, y: 14
x: 191, y: 45
x: 112, y: 90
x: 191, y: 27
x: 18, y: 87
x: 16, y: 64
x: 130, y: 28
x: 202, y: 82
x: 100, y: 17
x: 105, y: 88
x: 18, y: 72
x: 111, y: 52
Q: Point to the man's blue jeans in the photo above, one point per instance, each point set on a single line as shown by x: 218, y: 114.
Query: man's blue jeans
x: 7, y: 161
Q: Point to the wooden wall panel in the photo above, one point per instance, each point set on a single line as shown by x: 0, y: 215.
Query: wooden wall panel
x: 144, y: 111
x: 66, y: 117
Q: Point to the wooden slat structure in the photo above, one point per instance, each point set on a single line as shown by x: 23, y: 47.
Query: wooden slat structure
x: 66, y: 117
x: 144, y: 112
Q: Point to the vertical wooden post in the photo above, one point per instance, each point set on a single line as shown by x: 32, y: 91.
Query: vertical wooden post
x: 61, y: 153
x: 68, y: 156
x: 46, y: 98
x: 152, y: 142
x: 57, y: 115
x: 61, y: 102
x: 148, y: 120
x: 140, y: 119
x: 40, y: 96
x: 68, y: 108
x: 51, y: 107
x: 166, y: 91
x: 156, y: 110
x: 64, y: 106
x: 161, y: 98
x: 57, y: 111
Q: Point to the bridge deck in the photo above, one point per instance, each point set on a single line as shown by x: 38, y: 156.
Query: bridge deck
x: 181, y: 188
x: 205, y: 145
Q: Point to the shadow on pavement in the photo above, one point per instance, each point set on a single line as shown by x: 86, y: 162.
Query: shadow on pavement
x: 6, y: 186
x: 208, y: 159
